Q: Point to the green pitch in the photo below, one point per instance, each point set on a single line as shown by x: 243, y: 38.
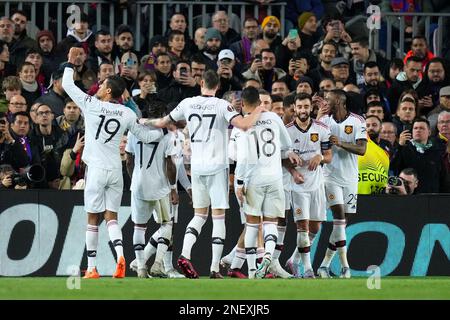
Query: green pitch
x: 226, y: 289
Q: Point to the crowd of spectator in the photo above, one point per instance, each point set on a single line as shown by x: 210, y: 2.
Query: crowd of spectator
x: 410, y: 96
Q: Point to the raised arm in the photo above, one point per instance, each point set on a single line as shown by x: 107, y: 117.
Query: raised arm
x: 75, y: 93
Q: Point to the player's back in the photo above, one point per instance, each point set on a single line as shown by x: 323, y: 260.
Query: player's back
x: 149, y: 181
x: 105, y: 124
x: 343, y: 168
x: 207, y: 120
x: 259, y: 150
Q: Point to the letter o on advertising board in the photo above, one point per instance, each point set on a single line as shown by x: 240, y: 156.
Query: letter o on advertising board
x: 46, y: 226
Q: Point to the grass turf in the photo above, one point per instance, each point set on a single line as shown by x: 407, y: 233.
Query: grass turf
x: 132, y: 288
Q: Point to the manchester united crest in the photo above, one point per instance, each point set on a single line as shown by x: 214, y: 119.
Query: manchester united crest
x: 314, y: 137
x: 348, y: 129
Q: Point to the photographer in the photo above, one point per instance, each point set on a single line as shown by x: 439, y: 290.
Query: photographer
x: 7, y: 180
x: 405, y: 184
x: 11, y: 152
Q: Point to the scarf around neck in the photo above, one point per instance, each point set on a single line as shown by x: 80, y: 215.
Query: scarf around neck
x: 420, y: 147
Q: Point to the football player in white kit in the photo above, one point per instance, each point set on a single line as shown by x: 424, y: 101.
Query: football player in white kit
x: 106, y: 121
x: 207, y: 120
x: 153, y: 189
x: 177, y: 142
x: 349, y: 140
x: 259, y: 178
x: 311, y: 140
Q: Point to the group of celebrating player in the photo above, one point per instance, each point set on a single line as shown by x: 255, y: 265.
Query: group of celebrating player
x: 303, y: 166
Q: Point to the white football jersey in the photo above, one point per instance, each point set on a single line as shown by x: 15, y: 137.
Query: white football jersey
x: 343, y: 169
x: 105, y: 124
x: 258, y: 150
x: 207, y: 120
x: 149, y: 180
x: 307, y: 144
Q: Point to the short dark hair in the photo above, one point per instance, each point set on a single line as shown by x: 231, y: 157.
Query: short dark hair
x: 303, y: 96
x: 2, y: 114
x: 117, y: 86
x: 21, y: 12
x: 264, y: 92
x: 32, y: 51
x: 329, y: 43
x: 276, y: 98
x: 67, y: 100
x: 375, y: 117
x: 397, y: 63
x: 410, y: 172
x: 289, y: 100
x: 370, y: 64
x: 419, y: 37
x: 250, y: 96
x: 250, y: 19
x: 341, y: 94
x: 123, y: 28
x: 413, y: 59
x: 363, y: 41
x: 211, y: 79
x: 267, y: 50
x: 374, y: 104
x: 420, y: 119
x: 101, y: 32
x: 174, y: 33
x: 20, y: 113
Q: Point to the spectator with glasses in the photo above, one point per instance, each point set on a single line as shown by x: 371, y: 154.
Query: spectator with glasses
x: 16, y: 104
x: 51, y: 142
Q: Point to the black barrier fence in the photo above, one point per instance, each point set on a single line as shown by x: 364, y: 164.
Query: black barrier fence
x: 42, y: 233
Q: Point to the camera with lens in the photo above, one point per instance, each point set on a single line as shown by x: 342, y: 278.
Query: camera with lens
x: 34, y: 173
x: 394, y: 181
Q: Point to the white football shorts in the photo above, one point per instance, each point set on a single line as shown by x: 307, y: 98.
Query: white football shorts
x: 142, y: 210
x: 266, y: 201
x: 345, y: 195
x: 310, y: 205
x: 103, y: 190
x: 210, y: 190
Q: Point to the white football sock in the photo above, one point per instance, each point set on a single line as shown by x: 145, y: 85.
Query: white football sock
x: 115, y: 235
x: 218, y: 240
x: 91, y: 245
x: 139, y: 245
x: 192, y: 232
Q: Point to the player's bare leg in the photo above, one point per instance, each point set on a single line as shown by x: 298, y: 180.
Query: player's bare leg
x: 115, y: 235
x: 192, y: 232
x: 92, y: 245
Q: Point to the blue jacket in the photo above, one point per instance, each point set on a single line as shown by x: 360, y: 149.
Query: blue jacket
x: 297, y: 7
